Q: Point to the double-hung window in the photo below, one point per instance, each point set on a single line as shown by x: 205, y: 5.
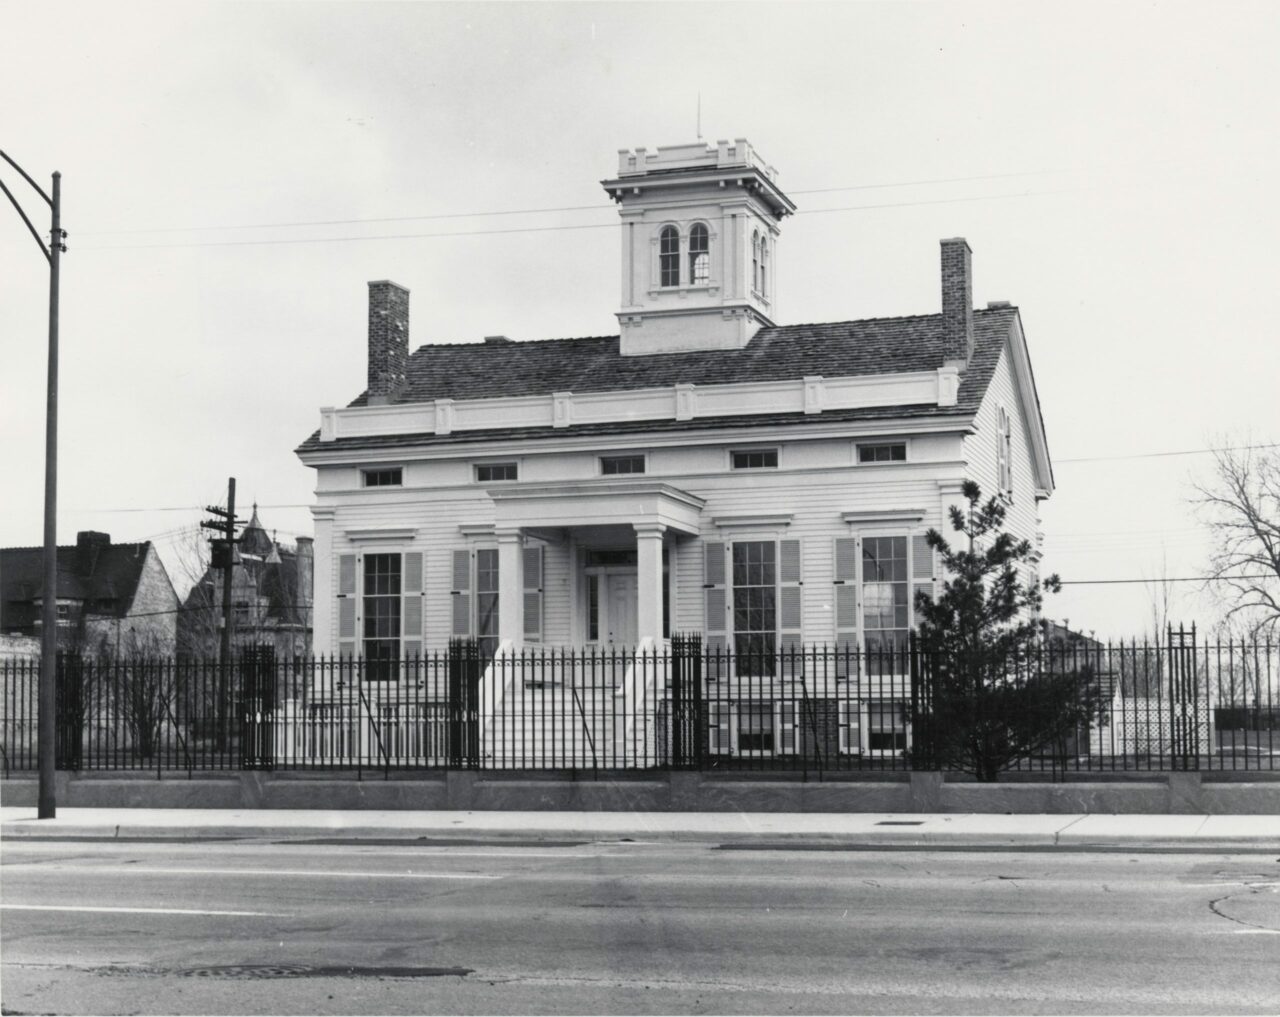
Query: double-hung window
x: 755, y: 605
x: 669, y: 256
x: 886, y: 597
x: 381, y: 615
x: 699, y: 255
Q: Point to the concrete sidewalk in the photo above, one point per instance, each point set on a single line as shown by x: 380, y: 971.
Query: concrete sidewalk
x: 1190, y: 832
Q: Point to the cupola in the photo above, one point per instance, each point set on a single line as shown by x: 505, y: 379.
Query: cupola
x: 699, y: 246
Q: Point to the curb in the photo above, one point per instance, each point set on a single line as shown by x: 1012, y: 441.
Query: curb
x: 764, y: 840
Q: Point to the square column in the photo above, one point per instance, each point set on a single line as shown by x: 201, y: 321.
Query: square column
x: 511, y: 585
x: 649, y: 580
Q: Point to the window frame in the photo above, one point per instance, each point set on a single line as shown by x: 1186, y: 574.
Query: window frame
x: 368, y: 473
x: 905, y: 537
x: 768, y: 653
x: 1004, y: 452
x: 860, y: 446
x: 724, y: 718
x: 669, y: 268
x: 764, y: 450
x: 619, y: 458
x: 379, y: 667
x: 514, y: 464
x: 692, y: 255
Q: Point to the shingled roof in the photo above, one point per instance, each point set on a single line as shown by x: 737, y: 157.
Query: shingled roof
x: 103, y: 575
x: 870, y: 346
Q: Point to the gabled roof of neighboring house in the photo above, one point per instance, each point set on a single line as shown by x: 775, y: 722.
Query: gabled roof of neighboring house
x: 872, y: 346
x: 103, y: 575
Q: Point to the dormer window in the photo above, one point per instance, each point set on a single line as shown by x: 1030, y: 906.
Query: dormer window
x: 669, y: 257
x: 699, y: 255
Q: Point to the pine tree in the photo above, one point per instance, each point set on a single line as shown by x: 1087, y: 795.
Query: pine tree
x: 988, y: 696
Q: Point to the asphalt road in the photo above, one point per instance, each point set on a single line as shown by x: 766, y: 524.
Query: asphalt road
x: 253, y: 927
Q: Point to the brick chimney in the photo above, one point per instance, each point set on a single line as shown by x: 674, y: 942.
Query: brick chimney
x: 89, y: 546
x: 957, y: 300
x: 388, y: 340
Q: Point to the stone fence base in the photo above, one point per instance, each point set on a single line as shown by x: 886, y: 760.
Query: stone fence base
x: 1157, y: 793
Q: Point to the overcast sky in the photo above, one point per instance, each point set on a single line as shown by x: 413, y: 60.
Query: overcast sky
x: 1113, y: 167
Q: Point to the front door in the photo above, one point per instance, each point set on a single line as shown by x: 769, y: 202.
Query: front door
x: 620, y: 608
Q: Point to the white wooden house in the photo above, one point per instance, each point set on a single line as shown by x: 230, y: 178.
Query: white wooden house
x: 709, y: 469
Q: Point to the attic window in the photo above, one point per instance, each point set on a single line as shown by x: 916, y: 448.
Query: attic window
x: 488, y: 473
x: 754, y: 459
x: 890, y: 452
x: 383, y: 478
x: 614, y: 465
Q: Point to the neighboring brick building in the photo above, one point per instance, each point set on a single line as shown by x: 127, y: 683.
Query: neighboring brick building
x: 270, y: 598
x: 113, y: 599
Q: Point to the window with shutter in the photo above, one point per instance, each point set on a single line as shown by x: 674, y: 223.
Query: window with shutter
x: 347, y: 603
x: 846, y: 606
x: 533, y: 558
x: 716, y: 608
x: 486, y: 587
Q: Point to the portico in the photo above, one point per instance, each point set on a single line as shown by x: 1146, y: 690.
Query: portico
x: 617, y: 532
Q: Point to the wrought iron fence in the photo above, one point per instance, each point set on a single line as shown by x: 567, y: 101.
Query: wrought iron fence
x: 1080, y: 706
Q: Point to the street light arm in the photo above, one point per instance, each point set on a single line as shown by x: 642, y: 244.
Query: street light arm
x: 39, y: 190
x: 44, y: 250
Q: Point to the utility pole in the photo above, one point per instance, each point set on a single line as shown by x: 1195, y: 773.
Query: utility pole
x: 46, y: 805
x: 224, y: 557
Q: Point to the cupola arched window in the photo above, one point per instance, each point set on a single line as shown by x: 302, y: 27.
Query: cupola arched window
x: 699, y: 255
x: 755, y: 260
x: 669, y: 257
x: 764, y: 266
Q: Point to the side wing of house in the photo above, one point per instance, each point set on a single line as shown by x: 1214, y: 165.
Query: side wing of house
x: 1007, y: 453
x: 151, y: 622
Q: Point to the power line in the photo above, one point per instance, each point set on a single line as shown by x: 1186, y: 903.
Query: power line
x: 1162, y: 579
x: 1159, y: 455
x: 535, y: 229
x: 528, y: 211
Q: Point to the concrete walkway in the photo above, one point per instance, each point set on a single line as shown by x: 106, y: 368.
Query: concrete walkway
x: 1188, y: 832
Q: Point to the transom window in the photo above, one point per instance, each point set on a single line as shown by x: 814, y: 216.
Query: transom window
x: 382, y: 586
x: 616, y: 465
x: 669, y: 257
x: 488, y: 473
x: 390, y: 477
x: 699, y: 255
x: 889, y: 452
x: 755, y: 459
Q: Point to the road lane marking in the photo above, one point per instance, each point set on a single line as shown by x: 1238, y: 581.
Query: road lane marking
x: 82, y: 908
x: 330, y: 873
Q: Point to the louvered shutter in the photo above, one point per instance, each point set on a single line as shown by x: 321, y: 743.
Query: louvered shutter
x: 533, y: 594
x: 348, y: 600
x: 719, y: 734
x: 790, y: 608
x: 461, y: 593
x: 922, y: 571
x: 787, y: 728
x: 846, y: 605
x: 412, y: 634
x: 716, y: 613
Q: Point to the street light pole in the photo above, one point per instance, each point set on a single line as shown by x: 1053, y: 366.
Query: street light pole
x: 46, y: 804
x: 46, y: 799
